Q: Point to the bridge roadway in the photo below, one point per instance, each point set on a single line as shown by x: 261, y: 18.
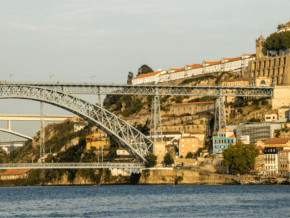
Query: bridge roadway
x: 113, y: 89
x: 14, y: 166
x: 34, y: 117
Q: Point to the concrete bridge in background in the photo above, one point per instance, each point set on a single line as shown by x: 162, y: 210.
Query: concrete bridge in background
x: 12, y: 117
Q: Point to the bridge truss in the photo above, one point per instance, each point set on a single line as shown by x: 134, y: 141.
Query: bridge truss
x: 71, y: 166
x: 111, y: 89
x: 137, y: 144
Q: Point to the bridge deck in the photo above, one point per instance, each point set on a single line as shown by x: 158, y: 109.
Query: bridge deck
x: 71, y: 166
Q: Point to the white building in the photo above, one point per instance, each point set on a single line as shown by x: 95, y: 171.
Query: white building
x: 225, y: 64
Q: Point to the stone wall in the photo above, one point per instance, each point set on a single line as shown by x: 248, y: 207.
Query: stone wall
x: 169, y: 176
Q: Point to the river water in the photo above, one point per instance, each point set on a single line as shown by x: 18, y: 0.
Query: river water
x: 145, y: 201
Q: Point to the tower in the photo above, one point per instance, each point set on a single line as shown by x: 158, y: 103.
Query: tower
x: 261, y: 52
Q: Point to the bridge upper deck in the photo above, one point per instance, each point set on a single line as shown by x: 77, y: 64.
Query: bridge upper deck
x: 124, y: 89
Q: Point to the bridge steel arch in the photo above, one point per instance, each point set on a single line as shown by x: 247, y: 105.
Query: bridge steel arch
x: 16, y: 133
x: 136, y: 143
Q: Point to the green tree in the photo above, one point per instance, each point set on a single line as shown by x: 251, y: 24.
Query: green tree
x: 278, y: 41
x: 144, y: 69
x: 151, y: 159
x: 240, y: 157
x: 168, y: 160
x: 189, y: 155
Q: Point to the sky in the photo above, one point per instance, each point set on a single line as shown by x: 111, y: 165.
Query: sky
x: 101, y: 41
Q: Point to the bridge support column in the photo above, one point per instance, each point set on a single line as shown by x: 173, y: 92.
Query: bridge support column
x: 156, y: 125
x: 220, y: 115
x: 41, y: 138
x: 9, y: 125
x: 159, y: 151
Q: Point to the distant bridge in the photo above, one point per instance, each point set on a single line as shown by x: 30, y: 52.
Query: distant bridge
x: 20, y: 117
x: 16, y: 133
x: 11, y: 166
x: 10, y: 117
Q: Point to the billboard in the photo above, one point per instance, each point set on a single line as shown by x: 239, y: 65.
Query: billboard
x: 245, y: 139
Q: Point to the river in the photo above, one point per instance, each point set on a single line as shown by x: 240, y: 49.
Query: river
x: 145, y: 201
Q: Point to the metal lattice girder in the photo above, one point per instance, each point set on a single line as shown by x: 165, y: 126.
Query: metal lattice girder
x: 156, y: 124
x: 84, y: 88
x: 71, y: 166
x: 137, y: 144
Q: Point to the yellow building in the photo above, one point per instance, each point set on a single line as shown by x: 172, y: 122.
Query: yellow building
x: 98, y: 140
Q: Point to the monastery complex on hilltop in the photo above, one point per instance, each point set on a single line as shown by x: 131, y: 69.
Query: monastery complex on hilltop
x: 223, y: 65
x: 263, y: 69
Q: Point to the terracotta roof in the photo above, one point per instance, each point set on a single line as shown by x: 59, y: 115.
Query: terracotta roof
x: 206, y: 102
x: 15, y: 172
x: 277, y: 146
x: 284, y: 107
x: 276, y: 141
x: 147, y: 74
x: 177, y: 70
x: 285, y: 150
x: 259, y: 148
x: 194, y: 66
x: 232, y: 136
x: 225, y: 130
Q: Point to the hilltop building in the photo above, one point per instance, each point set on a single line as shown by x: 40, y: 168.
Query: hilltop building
x: 223, y: 65
x: 224, y: 138
x: 283, y: 27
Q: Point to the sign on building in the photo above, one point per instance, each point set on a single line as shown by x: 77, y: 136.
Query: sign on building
x: 245, y: 139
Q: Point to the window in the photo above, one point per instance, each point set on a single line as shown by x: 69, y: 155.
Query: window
x: 182, y: 150
x: 193, y: 146
x: 183, y: 146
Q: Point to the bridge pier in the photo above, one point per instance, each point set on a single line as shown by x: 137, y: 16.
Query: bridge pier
x: 9, y: 125
x: 160, y: 151
x: 41, y: 137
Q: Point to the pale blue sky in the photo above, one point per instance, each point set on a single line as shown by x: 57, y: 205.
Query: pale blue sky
x: 77, y: 39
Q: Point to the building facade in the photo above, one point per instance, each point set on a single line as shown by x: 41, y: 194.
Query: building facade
x: 272, y: 147
x: 257, y: 131
x: 188, y: 144
x: 222, y: 140
x: 283, y: 162
x: 191, y: 107
x: 15, y: 174
x: 98, y: 140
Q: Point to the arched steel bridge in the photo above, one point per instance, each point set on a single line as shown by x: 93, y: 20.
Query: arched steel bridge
x: 137, y: 144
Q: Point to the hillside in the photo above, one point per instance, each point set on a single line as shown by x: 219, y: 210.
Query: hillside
x: 130, y: 106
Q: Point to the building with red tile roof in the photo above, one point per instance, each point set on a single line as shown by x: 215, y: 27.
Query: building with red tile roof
x: 225, y: 64
x: 15, y: 174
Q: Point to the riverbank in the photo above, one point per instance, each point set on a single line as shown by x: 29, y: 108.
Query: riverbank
x: 153, y: 176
